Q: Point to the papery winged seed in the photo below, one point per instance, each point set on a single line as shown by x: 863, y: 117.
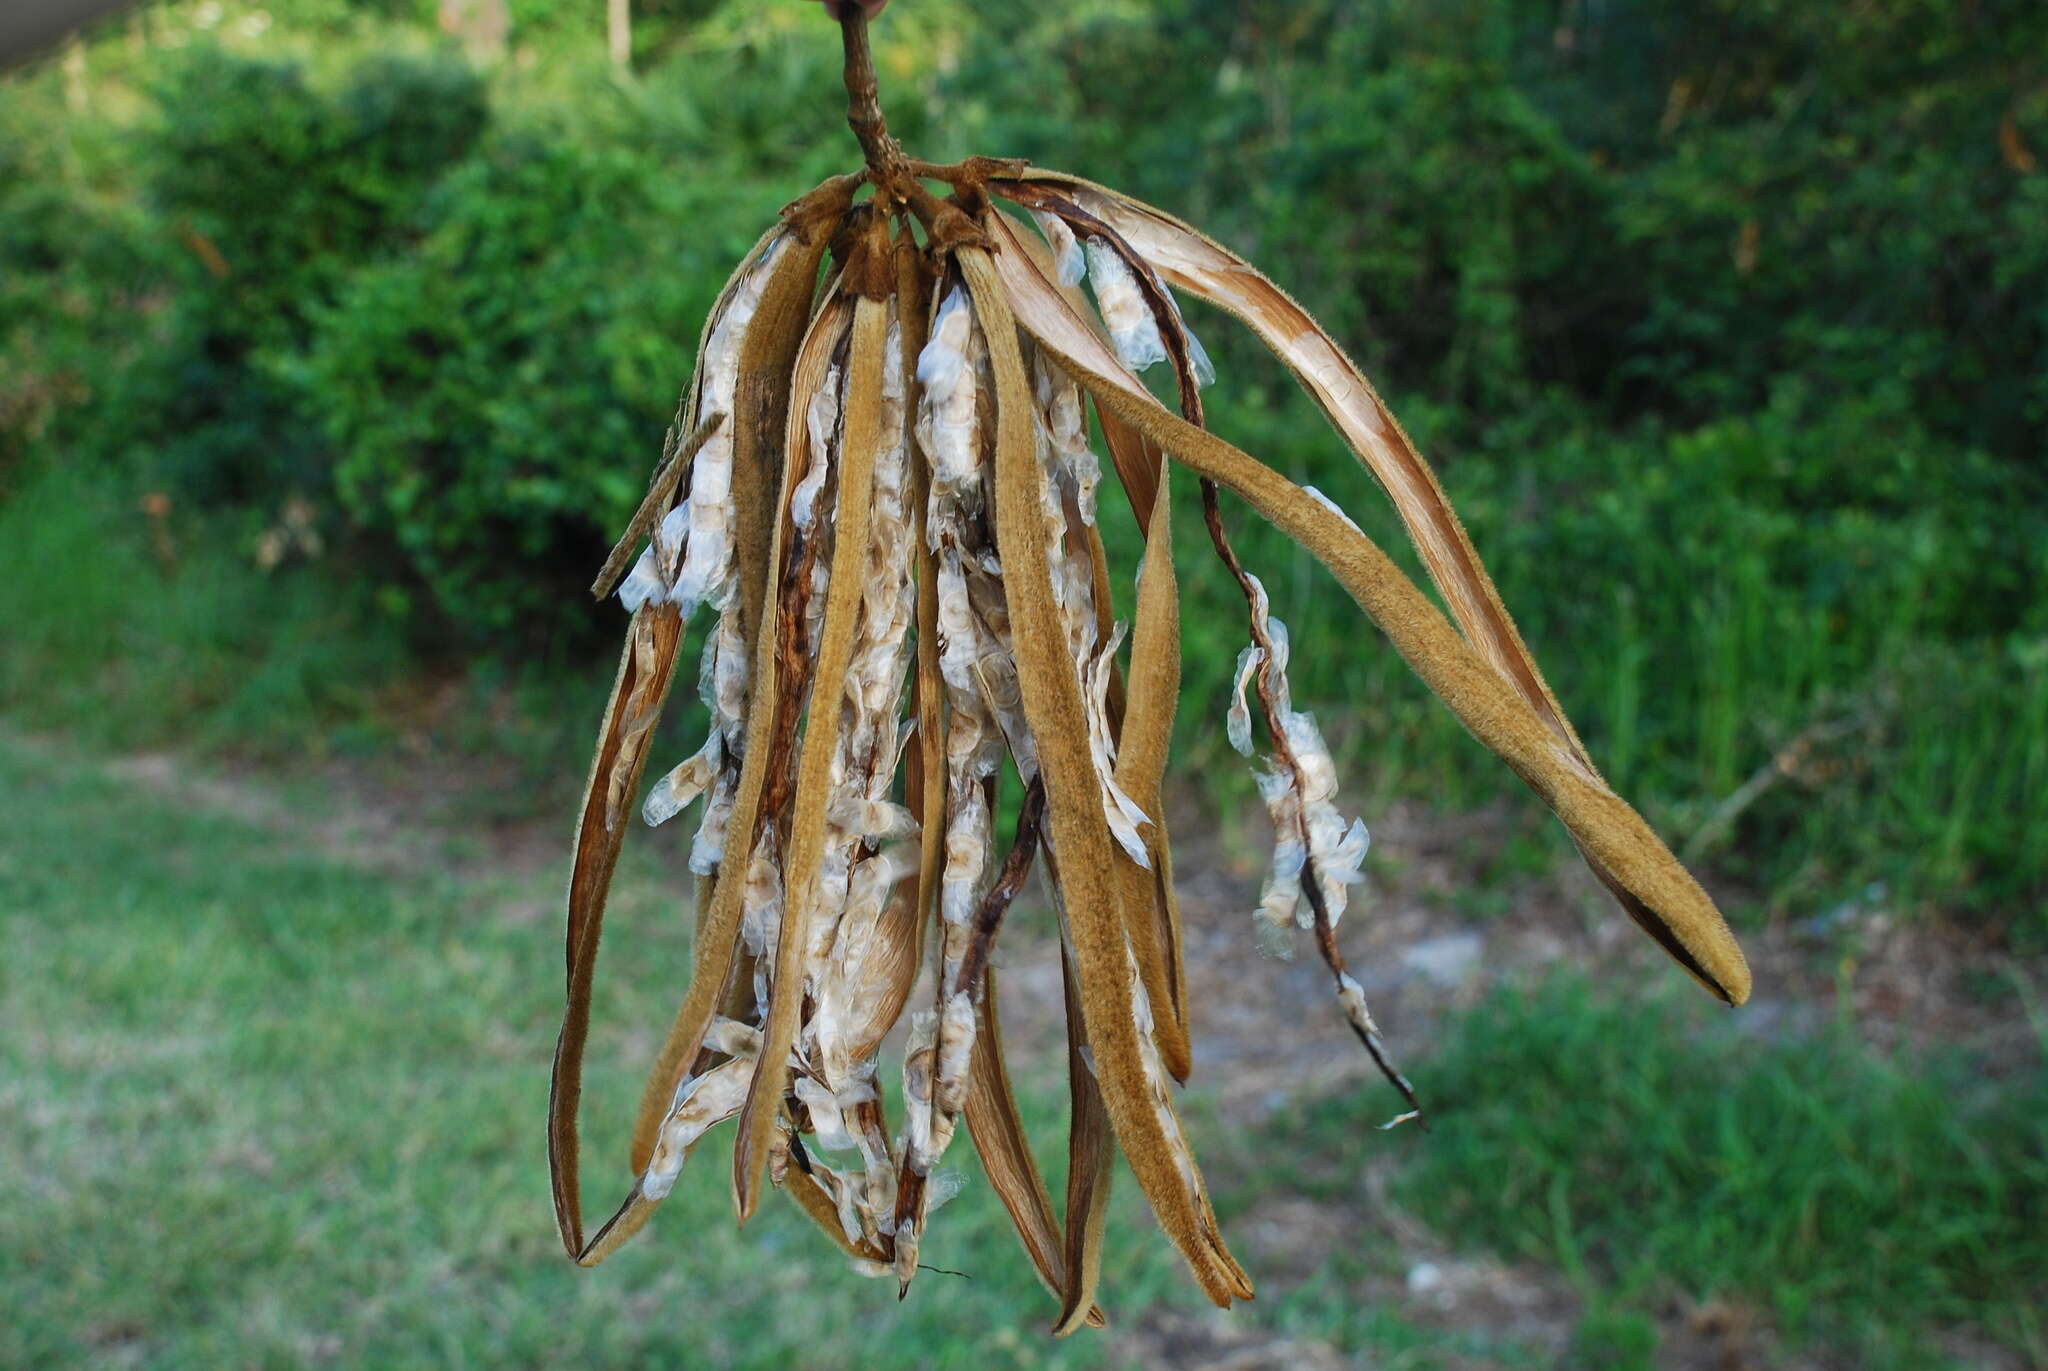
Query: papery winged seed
x: 1065, y: 425
x: 969, y: 848
x: 917, y: 1091
x: 948, y: 415
x: 827, y: 1108
x: 1238, y: 722
x: 1132, y: 328
x: 1351, y: 995
x: 707, y: 851
x: 722, y: 685
x: 1123, y: 814
x: 723, y: 682
x: 944, y: 1187
x: 1280, y: 893
x: 857, y: 817
x: 822, y: 419
x: 1069, y: 264
x: 761, y: 899
x: 732, y: 1037
x: 702, y: 1102
x: 684, y: 784
x: 852, y: 994
x: 955, y: 1042
x: 643, y: 584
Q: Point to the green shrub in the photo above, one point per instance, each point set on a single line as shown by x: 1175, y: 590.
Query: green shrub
x: 280, y: 192
x: 1858, y: 1199
x: 1663, y: 207
x: 80, y: 282
x: 498, y: 393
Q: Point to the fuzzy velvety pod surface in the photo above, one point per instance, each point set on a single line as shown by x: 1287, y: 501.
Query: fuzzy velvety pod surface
x: 884, y: 485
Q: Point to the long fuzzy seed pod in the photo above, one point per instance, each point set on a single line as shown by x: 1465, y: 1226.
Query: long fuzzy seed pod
x: 861, y: 437
x: 1145, y: 1124
x: 719, y: 929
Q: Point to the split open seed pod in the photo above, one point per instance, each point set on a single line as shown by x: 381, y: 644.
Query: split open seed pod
x: 885, y: 487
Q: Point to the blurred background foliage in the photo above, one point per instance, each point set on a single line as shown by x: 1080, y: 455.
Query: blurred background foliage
x: 337, y: 340
x: 1723, y: 321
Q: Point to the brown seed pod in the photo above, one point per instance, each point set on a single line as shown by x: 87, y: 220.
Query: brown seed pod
x: 884, y: 487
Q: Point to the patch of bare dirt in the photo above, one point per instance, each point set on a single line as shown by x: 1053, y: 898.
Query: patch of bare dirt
x: 1217, y: 1342
x: 432, y: 811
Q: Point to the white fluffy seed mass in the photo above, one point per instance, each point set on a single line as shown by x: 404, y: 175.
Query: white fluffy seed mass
x: 1298, y: 782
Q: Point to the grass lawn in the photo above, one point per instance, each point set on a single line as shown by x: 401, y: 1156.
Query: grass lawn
x: 268, y: 1102
x: 267, y: 1108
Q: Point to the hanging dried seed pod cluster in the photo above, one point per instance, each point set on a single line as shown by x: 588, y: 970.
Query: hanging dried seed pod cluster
x: 883, y: 484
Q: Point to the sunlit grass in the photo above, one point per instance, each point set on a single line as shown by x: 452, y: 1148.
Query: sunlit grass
x: 102, y: 638
x: 1645, y: 1151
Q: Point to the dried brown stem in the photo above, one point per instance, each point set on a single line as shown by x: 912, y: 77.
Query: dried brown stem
x: 988, y: 919
x: 864, y: 104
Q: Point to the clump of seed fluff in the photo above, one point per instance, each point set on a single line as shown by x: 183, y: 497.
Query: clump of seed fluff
x: 885, y: 485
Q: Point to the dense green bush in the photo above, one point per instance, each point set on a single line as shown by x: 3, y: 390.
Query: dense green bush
x: 280, y: 192
x: 497, y: 393
x: 466, y: 342
x: 497, y: 389
x: 80, y: 276
x: 1662, y: 206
